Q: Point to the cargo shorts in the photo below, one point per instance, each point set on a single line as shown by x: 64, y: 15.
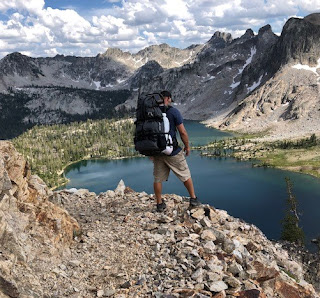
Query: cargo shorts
x: 177, y: 164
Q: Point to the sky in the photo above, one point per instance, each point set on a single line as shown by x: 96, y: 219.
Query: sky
x: 45, y: 28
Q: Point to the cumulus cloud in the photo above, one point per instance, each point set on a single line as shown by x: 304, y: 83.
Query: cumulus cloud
x: 133, y: 24
x: 308, y: 5
x: 33, y: 6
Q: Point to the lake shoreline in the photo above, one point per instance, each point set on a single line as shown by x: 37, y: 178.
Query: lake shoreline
x: 62, y: 171
x: 239, y: 155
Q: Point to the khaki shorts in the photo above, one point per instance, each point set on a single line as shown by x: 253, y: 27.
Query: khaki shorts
x: 164, y: 163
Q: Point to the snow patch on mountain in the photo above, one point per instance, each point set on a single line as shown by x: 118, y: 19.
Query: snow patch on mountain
x: 255, y: 85
x: 249, y: 60
x: 98, y: 84
x: 307, y: 67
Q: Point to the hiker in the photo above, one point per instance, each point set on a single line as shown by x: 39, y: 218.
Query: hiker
x: 176, y: 161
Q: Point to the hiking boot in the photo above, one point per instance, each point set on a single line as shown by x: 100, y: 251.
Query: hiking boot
x: 194, y: 202
x: 161, y: 206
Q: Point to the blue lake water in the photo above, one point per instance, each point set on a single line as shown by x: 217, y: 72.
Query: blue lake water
x: 256, y: 195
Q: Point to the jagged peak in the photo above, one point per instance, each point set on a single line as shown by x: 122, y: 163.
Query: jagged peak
x: 111, y: 52
x: 265, y: 29
x: 227, y: 37
x: 249, y: 33
x: 162, y: 46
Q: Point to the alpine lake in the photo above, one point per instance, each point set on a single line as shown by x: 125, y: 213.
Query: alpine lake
x: 255, y: 194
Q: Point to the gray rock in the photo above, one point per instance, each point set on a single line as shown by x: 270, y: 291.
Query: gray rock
x: 110, y: 193
x: 209, y: 247
x: 235, y: 268
x: 8, y: 288
x: 197, y: 227
x: 220, y: 236
x: 75, y: 263
x: 232, y: 282
x: 198, y: 213
x: 198, y: 275
x: 218, y: 286
x: 228, y: 246
x: 5, y: 182
x: 205, y: 222
x: 100, y: 293
x: 120, y: 188
x: 208, y: 235
x: 212, y: 276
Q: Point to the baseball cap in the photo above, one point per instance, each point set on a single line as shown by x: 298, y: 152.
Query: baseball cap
x: 166, y: 93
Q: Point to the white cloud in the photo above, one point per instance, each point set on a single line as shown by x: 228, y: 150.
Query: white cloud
x: 51, y: 52
x: 150, y: 37
x: 177, y: 8
x: 33, y: 6
x: 308, y: 5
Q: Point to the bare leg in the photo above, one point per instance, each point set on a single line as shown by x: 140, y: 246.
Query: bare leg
x: 189, y: 186
x: 157, y: 186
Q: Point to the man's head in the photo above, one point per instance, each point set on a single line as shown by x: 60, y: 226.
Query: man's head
x: 166, y: 97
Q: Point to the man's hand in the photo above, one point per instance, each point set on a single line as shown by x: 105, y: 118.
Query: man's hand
x: 187, y: 150
x: 184, y: 138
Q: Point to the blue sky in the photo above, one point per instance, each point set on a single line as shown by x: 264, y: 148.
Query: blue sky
x: 87, y: 28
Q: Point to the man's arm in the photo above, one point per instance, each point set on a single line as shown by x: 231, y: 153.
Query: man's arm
x: 184, y: 137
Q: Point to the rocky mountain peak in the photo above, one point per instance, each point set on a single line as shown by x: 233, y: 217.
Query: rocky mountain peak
x: 313, y: 18
x: 249, y: 33
x: 266, y: 37
x: 115, y: 53
x: 300, y: 41
x: 145, y: 73
x: 265, y: 29
x: 154, y: 49
x: 19, y: 64
x: 246, y: 36
x: 218, y: 36
x: 16, y: 58
x: 219, y: 40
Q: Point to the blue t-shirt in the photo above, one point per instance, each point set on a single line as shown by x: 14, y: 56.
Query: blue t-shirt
x: 175, y: 118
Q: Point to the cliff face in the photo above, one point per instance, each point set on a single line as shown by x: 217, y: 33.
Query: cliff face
x: 126, y: 249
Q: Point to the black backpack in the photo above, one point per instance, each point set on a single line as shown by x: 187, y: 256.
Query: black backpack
x: 150, y: 137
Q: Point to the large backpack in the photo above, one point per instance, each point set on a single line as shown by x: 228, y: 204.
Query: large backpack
x: 152, y: 127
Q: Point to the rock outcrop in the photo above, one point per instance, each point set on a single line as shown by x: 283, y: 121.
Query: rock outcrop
x: 33, y: 230
x: 126, y: 249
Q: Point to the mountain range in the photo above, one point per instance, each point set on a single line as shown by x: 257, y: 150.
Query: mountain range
x: 257, y: 82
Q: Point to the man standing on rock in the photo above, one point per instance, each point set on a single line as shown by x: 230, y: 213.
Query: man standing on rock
x: 176, y: 162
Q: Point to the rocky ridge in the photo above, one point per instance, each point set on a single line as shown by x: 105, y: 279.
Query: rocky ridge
x: 287, y: 104
x: 126, y: 249
x: 210, y: 85
x: 107, y: 71
x: 163, y: 54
